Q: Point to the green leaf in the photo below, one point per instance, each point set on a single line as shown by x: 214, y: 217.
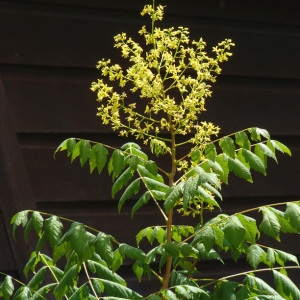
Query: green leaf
x: 270, y: 224
x: 31, y: 263
x: 256, y: 132
x: 172, y: 249
x: 103, y: 247
x: 36, y: 221
x: 241, y: 139
x: 98, y: 157
x: 227, y: 145
x: 62, y: 248
x: 169, y: 295
x: 196, y: 155
x: 83, y: 293
x: 281, y: 147
x: 187, y: 250
x: 71, y: 144
x: 68, y: 281
x: 117, y: 261
x: 270, y: 258
x: 234, y: 232
x: 116, y: 164
x: 138, y: 269
x: 255, y: 255
x: 82, y: 149
x: 210, y: 151
x: 254, y: 161
x: 143, y: 233
x: 223, y: 163
x: 263, y: 132
x: 153, y: 184
x: 209, y: 165
x: 132, y: 189
x: 20, y: 218
x: 225, y: 290
x: 285, y: 225
x: 292, y: 214
x: 23, y: 293
x: 206, y: 236
x: 260, y: 285
x: 142, y: 201
x: 283, y: 257
x: 189, y: 191
x: 219, y: 236
x: 267, y: 151
x: 104, y: 273
x: 37, y: 278
x: 7, y: 287
x: 253, y: 134
x: 68, y: 145
x: 79, y: 240
x: 117, y: 290
x: 144, y: 172
x: 285, y: 286
x: 52, y: 230
x: 172, y: 196
x: 250, y: 226
x: 213, y: 190
x: 206, y: 177
x: 239, y: 169
x: 131, y: 252
x: 151, y: 166
x: 121, y: 181
x: 41, y: 294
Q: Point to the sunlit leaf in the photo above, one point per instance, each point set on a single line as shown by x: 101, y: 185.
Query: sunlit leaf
x: 98, y: 157
x: 227, y: 145
x: 270, y: 224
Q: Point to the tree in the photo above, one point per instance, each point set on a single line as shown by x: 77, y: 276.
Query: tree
x: 172, y: 77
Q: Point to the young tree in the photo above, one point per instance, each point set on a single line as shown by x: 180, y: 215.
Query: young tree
x: 172, y: 77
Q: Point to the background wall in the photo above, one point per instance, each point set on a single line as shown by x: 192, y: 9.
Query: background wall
x: 48, y: 53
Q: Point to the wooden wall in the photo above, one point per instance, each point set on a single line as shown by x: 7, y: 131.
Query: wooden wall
x: 48, y: 51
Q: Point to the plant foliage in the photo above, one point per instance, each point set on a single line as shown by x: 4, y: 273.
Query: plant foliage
x: 172, y: 77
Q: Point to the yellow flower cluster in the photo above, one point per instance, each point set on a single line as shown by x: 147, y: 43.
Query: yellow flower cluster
x: 172, y: 79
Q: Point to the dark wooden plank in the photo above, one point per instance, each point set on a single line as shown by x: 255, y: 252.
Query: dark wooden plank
x: 7, y: 262
x: 14, y: 184
x: 61, y: 101
x: 36, y: 38
x: 267, y: 11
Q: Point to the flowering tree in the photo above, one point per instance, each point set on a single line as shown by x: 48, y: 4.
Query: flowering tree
x: 172, y: 77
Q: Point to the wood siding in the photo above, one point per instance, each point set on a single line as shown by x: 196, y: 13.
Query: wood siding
x: 48, y: 52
